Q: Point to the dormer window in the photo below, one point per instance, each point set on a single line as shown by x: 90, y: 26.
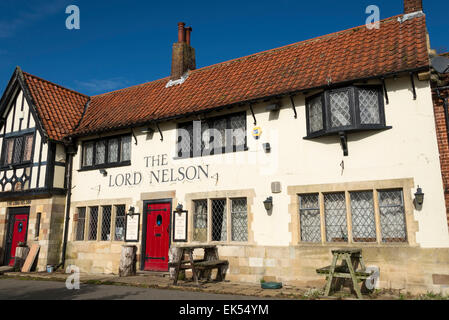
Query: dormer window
x: 354, y: 108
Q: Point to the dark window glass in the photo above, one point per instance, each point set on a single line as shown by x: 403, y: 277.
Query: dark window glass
x: 93, y: 223
x: 217, y: 135
x: 107, y: 152
x: 120, y: 215
x: 80, y: 225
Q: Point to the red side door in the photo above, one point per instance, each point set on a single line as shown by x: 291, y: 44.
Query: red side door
x: 157, y: 236
x: 17, y: 232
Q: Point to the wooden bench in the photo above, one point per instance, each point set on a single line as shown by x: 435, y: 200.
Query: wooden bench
x: 201, y: 268
x: 220, y: 265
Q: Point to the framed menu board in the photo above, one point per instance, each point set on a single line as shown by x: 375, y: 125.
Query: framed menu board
x: 180, y: 226
x: 132, y: 227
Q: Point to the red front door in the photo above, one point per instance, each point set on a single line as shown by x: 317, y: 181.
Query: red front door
x: 17, y: 232
x: 157, y: 236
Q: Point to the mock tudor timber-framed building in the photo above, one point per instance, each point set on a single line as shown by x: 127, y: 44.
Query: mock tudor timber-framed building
x: 345, y: 130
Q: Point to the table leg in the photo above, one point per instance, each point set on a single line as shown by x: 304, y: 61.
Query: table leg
x: 178, y: 266
x: 192, y: 265
x: 331, y: 276
x: 355, y: 282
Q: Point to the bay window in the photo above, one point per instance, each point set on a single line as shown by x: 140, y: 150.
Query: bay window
x: 17, y: 150
x: 354, y: 108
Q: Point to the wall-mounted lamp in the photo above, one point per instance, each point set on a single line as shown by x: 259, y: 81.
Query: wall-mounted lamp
x: 131, y: 210
x: 103, y: 172
x: 266, y: 147
x: 179, y: 208
x: 419, y: 197
x: 268, y: 204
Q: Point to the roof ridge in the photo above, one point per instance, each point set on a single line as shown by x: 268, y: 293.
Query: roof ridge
x: 55, y: 84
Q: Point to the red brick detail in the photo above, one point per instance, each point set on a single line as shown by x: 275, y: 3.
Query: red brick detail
x: 443, y: 143
x: 411, y: 6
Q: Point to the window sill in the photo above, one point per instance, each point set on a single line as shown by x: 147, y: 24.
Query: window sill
x: 106, y: 166
x: 347, y: 130
x: 333, y: 245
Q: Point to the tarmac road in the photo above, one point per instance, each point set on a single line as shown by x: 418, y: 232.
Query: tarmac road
x: 13, y: 289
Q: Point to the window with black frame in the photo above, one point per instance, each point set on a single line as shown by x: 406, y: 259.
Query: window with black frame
x: 106, y: 152
x: 17, y: 150
x: 354, y: 108
x: 212, y: 136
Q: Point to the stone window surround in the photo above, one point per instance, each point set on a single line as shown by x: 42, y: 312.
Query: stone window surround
x: 405, y: 184
x: 97, y: 203
x: 249, y: 194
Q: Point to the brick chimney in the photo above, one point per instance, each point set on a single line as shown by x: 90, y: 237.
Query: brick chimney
x: 411, y: 6
x: 183, y: 58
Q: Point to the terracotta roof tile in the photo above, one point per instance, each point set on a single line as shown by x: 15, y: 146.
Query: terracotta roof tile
x: 58, y: 108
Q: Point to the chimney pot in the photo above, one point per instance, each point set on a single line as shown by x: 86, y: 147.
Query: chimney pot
x: 411, y: 6
x: 181, y: 32
x: 188, y: 34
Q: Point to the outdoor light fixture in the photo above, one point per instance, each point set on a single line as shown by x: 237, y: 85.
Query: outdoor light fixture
x: 266, y: 147
x: 179, y: 208
x: 103, y: 172
x: 268, y: 203
x: 131, y: 210
x: 419, y: 197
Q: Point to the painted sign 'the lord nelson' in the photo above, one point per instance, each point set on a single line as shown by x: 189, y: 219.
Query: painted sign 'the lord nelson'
x: 160, y: 173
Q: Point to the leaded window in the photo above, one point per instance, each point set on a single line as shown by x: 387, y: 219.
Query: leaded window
x: 17, y: 150
x: 216, y: 135
x: 126, y: 149
x: 80, y: 224
x: 200, y: 221
x: 340, y: 109
x: 113, y: 150
x: 347, y: 109
x: 362, y: 213
x: 28, y: 148
x: 106, y: 223
x: 88, y: 154
x: 100, y: 152
x: 315, y: 108
x: 120, y: 215
x: 392, y: 216
x: 369, y: 106
x: 335, y: 217
x: 219, y: 224
x: 93, y: 223
x: 106, y: 152
x: 239, y: 220
x: 310, y: 220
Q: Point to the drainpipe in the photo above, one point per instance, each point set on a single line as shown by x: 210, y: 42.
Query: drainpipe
x: 70, y: 154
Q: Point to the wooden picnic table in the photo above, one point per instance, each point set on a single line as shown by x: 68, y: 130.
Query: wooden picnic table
x: 201, y: 268
x: 351, y: 260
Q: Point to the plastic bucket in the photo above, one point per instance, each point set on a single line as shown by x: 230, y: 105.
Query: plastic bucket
x: 50, y: 268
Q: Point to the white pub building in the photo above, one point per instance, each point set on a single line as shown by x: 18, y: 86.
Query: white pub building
x: 277, y: 157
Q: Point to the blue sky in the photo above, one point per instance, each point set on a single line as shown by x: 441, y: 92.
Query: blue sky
x: 123, y: 43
